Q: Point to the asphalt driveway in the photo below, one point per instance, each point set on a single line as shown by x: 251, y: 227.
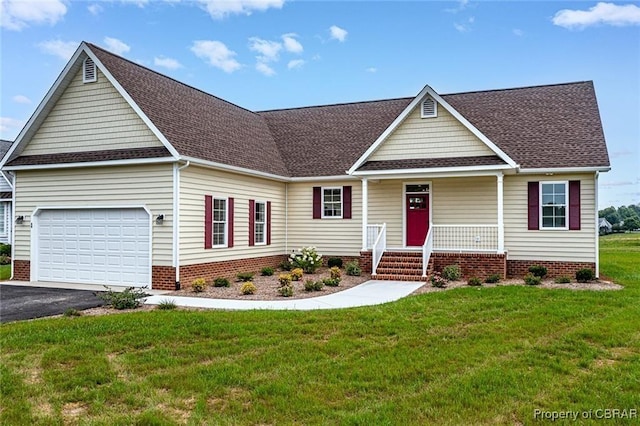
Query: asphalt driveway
x: 21, y: 303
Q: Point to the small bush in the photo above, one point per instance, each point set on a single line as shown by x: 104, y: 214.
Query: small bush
x: 245, y: 276
x: 474, y: 282
x: 221, y: 282
x: 492, y: 279
x: 452, y: 273
x: 285, y: 279
x: 562, y: 279
x: 334, y: 261
x: 5, y: 260
x: 285, y: 265
x: 335, y: 272
x: 167, y: 305
x: 353, y: 268
x: 5, y: 250
x: 308, y: 259
x: 438, y: 280
x: 267, y: 271
x: 311, y: 285
x: 286, y: 290
x: 296, y: 274
x: 331, y: 282
x: 70, y: 312
x: 531, y: 279
x: 538, y: 271
x: 248, y: 288
x: 198, y: 285
x: 585, y: 275
x: 128, y: 299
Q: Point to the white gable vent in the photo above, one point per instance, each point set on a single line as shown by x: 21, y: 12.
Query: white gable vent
x: 89, y: 72
x: 429, y: 108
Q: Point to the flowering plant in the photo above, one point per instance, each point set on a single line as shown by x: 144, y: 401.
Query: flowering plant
x: 438, y: 280
x: 308, y: 259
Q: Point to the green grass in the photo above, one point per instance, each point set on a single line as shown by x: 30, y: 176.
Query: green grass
x: 5, y: 272
x: 465, y: 356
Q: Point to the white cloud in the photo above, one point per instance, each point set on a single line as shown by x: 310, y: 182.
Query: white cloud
x: 291, y: 44
x: 8, y: 124
x: 168, y: 63
x: 95, y: 9
x: 338, y: 33
x: 462, y: 5
x: 220, y: 9
x: 139, y: 3
x: 296, y: 63
x: 269, y: 50
x: 518, y: 32
x: 265, y: 69
x: 464, y: 27
x: 372, y: 69
x: 600, y: 14
x: 21, y: 99
x: 18, y: 14
x: 62, y: 49
x: 216, y: 54
x: 116, y: 46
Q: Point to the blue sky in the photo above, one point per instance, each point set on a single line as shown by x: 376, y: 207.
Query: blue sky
x: 267, y: 54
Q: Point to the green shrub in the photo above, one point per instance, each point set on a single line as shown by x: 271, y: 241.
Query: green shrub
x: 245, y: 276
x: 562, y: 279
x: 5, y: 260
x: 285, y: 279
x: 308, y: 259
x: 531, y: 279
x: 267, y: 271
x: 353, y: 268
x: 296, y: 274
x: 286, y: 290
x: 221, y: 282
x: 452, y: 273
x: 311, y: 285
x: 70, y: 312
x: 334, y: 261
x: 248, y: 288
x: 492, y: 279
x: 331, y: 282
x: 128, y: 299
x: 538, y: 271
x: 199, y: 285
x: 285, y: 265
x: 474, y: 282
x: 167, y: 305
x: 5, y: 250
x: 438, y: 280
x: 335, y: 272
x: 585, y: 275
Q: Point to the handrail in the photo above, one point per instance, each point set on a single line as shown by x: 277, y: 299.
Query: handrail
x: 379, y: 248
x: 427, y: 249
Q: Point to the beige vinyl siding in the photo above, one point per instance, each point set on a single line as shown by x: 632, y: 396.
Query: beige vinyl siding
x: 440, y: 137
x: 331, y: 236
x: 386, y: 205
x: 196, y: 182
x: 553, y: 245
x: 148, y: 185
x: 90, y: 117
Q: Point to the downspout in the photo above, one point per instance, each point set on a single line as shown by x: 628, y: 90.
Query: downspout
x: 286, y: 218
x: 176, y: 219
x: 597, y: 234
x: 11, y: 221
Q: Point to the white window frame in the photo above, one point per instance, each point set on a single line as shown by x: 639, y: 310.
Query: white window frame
x: 566, y: 206
x: 214, y: 221
x: 322, y: 189
x: 255, y: 224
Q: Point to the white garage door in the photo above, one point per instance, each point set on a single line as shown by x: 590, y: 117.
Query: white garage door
x: 101, y: 246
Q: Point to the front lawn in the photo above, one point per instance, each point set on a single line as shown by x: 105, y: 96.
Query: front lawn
x: 5, y: 272
x: 465, y: 356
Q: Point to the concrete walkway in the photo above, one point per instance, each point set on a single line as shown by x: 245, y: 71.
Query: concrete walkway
x: 366, y: 294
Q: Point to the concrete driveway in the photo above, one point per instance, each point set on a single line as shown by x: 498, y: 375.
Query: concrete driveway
x: 21, y: 302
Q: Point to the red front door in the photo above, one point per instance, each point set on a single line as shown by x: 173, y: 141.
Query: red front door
x: 417, y: 206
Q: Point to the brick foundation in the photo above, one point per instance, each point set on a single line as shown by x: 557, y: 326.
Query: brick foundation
x: 226, y: 268
x: 479, y: 265
x: 22, y: 270
x: 519, y: 268
x: 163, y: 277
x: 366, y: 261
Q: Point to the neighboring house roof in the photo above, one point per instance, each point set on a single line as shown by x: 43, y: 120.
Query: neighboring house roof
x: 4, y: 147
x: 542, y: 127
x: 604, y: 223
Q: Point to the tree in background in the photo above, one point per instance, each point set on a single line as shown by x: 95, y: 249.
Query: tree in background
x: 623, y: 218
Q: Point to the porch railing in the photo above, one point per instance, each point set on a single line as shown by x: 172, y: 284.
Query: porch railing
x: 372, y: 234
x: 379, y: 247
x: 475, y: 238
x: 427, y: 249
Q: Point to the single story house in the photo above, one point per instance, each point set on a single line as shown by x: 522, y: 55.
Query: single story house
x: 6, y: 197
x: 126, y: 176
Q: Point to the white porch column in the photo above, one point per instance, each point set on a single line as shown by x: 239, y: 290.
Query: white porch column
x: 500, y: 179
x: 365, y: 202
